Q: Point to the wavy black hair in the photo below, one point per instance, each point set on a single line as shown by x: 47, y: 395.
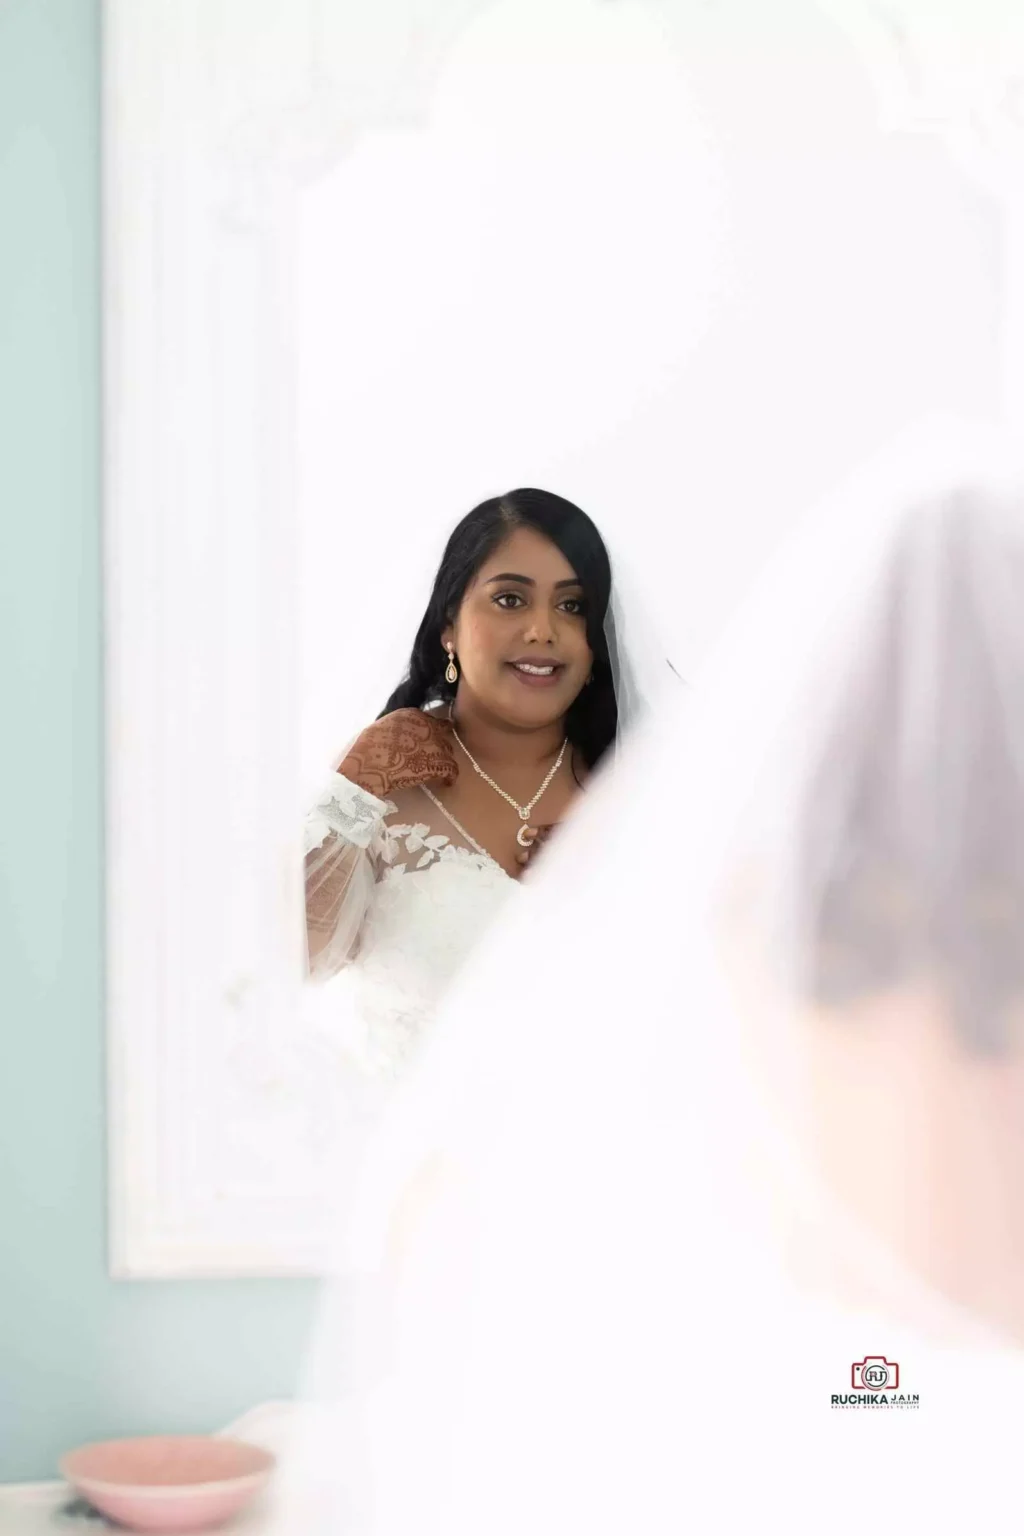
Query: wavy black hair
x: 592, y: 721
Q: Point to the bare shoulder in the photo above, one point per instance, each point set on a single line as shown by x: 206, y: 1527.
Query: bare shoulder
x: 400, y: 750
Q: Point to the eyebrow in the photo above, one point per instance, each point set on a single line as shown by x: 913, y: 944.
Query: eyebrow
x: 528, y: 581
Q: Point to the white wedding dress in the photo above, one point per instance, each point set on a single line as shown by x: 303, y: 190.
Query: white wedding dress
x: 397, y: 895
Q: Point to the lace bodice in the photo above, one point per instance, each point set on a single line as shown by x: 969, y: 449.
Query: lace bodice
x: 397, y: 894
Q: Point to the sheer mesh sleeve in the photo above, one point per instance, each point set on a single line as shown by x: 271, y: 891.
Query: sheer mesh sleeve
x: 342, y: 833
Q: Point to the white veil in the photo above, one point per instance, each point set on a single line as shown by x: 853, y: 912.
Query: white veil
x: 647, y: 680
x: 732, y: 1105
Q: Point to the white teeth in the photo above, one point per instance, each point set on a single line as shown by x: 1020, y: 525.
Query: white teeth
x: 522, y: 666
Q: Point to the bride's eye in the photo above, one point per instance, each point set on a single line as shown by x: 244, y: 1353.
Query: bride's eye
x: 508, y: 600
x: 576, y: 606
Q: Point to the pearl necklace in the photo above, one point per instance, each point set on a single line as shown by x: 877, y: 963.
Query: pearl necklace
x: 523, y: 811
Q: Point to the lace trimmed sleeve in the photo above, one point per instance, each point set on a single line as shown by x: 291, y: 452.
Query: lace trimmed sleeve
x: 343, y: 835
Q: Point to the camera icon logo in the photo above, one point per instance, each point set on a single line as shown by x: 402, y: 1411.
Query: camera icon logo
x: 875, y: 1374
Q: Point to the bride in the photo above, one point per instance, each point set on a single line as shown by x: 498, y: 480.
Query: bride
x: 515, y: 694
x: 754, y: 1123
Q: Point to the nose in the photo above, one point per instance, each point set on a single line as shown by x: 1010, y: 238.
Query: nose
x: 541, y: 629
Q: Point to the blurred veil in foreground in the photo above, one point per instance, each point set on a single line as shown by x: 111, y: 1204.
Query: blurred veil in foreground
x: 734, y: 1103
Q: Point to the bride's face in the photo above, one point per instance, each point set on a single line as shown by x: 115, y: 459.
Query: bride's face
x: 520, y: 636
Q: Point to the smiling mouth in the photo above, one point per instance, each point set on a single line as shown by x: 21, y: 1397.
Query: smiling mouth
x: 537, y: 674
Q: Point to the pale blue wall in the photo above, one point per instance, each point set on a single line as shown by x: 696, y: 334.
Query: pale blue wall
x: 80, y: 1356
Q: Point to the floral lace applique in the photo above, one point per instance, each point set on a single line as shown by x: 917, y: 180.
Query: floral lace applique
x: 408, y: 848
x: 434, y: 902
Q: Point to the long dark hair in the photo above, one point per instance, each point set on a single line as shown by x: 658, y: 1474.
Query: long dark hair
x: 592, y: 720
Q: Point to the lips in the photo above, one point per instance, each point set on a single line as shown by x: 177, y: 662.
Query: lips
x: 537, y: 674
x: 530, y: 665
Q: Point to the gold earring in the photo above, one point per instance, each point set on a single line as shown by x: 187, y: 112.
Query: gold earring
x: 451, y: 673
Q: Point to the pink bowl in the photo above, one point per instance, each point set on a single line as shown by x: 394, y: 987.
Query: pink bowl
x: 168, y: 1482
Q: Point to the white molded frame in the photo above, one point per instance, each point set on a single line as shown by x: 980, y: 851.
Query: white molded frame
x: 215, y: 116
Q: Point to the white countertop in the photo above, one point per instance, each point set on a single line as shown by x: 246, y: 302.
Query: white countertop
x: 48, y: 1509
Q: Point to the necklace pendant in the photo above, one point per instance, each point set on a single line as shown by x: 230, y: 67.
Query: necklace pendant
x: 522, y: 839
